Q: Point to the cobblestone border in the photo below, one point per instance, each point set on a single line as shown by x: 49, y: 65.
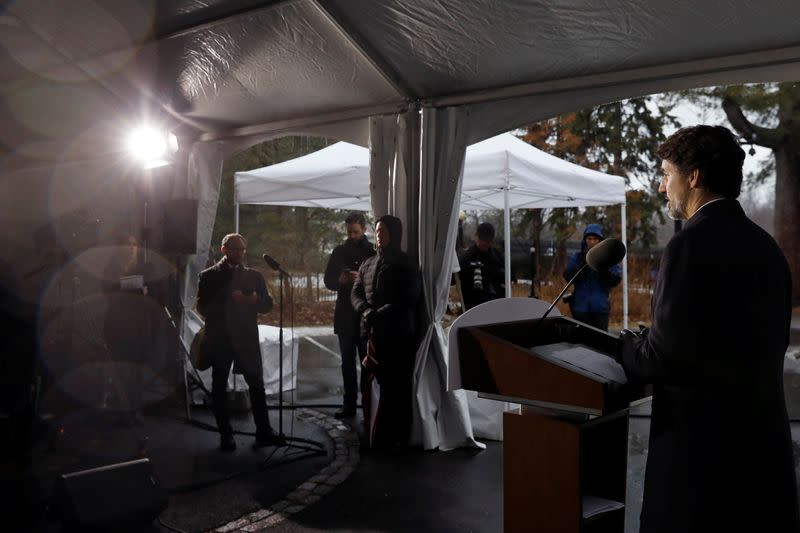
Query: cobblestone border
x: 345, y: 460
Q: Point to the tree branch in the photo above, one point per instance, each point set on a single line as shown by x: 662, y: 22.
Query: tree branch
x: 767, y: 137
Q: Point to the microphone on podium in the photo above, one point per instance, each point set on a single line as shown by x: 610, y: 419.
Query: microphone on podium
x: 274, y: 265
x: 601, y: 257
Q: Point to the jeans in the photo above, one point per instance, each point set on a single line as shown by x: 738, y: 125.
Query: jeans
x: 353, y: 350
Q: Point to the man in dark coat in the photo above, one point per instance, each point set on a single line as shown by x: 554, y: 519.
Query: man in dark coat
x: 590, y: 302
x: 720, y: 452
x: 385, y: 295
x: 340, y: 274
x: 482, y: 269
x: 229, y: 297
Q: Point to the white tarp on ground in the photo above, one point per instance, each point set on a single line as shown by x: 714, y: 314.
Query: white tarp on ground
x: 268, y: 340
x: 338, y: 177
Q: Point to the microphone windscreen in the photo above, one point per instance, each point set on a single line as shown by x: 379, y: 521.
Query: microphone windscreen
x: 271, y: 262
x: 605, y: 254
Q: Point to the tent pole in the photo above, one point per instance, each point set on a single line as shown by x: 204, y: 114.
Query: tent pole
x: 236, y: 217
x: 624, y: 268
x: 507, y: 232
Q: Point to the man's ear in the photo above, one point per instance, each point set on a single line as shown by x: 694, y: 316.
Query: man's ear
x: 694, y: 179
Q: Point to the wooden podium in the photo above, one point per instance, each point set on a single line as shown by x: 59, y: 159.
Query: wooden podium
x: 565, y: 449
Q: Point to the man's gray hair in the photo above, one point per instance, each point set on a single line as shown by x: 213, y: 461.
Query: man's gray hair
x: 230, y: 236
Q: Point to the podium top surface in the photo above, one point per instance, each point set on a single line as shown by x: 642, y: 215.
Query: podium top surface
x: 559, y: 362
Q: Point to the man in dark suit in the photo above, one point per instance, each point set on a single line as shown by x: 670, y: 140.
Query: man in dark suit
x: 720, y: 452
x: 229, y: 297
x: 340, y: 275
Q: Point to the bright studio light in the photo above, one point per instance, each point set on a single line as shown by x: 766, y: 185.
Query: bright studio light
x: 149, y: 146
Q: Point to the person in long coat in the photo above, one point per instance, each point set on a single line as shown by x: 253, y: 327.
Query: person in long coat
x: 385, y: 296
x: 230, y: 297
x: 720, y: 451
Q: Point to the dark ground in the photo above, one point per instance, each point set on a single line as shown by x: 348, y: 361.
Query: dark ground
x: 410, y: 490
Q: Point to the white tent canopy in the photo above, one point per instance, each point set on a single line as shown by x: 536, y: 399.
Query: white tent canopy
x: 534, y: 179
x: 338, y: 177
x: 502, y: 172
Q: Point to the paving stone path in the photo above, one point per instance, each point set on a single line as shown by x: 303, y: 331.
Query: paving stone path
x: 345, y: 460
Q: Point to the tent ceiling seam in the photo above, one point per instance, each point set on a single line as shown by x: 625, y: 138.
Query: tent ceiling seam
x: 221, y: 18
x: 713, y: 65
x: 362, y: 46
x: 290, y: 125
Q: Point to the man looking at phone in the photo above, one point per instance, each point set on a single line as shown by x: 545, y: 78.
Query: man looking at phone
x: 340, y: 275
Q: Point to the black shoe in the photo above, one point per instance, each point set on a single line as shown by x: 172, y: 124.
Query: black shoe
x: 226, y: 442
x: 345, y: 412
x: 269, y: 438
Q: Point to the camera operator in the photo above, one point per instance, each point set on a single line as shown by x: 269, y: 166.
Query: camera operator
x: 340, y: 275
x: 590, y: 302
x: 482, y: 269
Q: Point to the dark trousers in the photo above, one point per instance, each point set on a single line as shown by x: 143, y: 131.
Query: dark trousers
x: 253, y: 376
x: 392, y: 423
x: 353, y: 349
x: 598, y: 320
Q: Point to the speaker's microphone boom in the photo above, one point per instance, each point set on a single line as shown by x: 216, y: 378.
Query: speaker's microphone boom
x: 274, y: 265
x: 600, y: 258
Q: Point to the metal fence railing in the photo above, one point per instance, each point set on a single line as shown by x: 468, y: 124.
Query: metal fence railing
x: 306, y: 287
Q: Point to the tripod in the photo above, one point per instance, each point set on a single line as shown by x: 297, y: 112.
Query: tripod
x: 295, y: 442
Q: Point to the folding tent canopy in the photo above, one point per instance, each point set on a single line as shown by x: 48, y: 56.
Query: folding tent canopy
x: 502, y: 172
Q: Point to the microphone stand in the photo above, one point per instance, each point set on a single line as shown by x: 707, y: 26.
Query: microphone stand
x: 309, y: 445
x: 560, y: 294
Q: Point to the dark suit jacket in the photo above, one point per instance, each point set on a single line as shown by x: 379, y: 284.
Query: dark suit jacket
x: 232, y: 328
x: 720, y: 453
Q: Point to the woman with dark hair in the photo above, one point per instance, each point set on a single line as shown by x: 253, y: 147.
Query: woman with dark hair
x: 385, y: 296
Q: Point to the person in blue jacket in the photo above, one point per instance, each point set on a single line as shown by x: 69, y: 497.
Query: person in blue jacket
x: 590, y: 299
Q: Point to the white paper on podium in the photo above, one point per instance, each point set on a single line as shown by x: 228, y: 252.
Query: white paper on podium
x: 583, y: 360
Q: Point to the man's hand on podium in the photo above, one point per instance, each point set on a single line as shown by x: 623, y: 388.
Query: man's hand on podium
x: 628, y: 341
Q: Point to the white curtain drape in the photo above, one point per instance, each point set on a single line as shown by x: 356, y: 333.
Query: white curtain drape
x: 405, y: 190
x: 382, y: 148
x: 441, y: 417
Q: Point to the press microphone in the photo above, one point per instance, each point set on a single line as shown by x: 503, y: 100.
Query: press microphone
x: 274, y: 265
x: 600, y: 257
x: 605, y: 254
